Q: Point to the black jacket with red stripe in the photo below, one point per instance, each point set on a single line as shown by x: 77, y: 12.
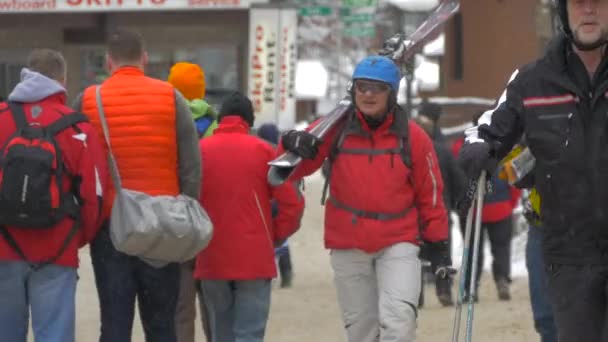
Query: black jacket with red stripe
x: 563, y: 114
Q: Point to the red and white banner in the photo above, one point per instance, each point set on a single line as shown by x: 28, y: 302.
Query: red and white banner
x: 45, y: 6
x: 272, y: 60
x: 287, y: 69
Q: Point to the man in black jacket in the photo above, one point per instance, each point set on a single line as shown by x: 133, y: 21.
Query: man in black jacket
x: 560, y: 102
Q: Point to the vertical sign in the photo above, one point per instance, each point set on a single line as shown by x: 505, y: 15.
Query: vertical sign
x: 272, y: 65
x: 287, y: 68
x: 263, y: 63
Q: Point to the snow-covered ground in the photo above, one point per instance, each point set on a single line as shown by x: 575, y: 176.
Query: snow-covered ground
x: 309, y: 310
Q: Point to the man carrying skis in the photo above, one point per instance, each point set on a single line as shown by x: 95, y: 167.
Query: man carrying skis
x: 560, y: 103
x: 384, y: 180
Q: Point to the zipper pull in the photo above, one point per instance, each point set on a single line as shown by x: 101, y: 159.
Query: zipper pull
x: 568, y: 129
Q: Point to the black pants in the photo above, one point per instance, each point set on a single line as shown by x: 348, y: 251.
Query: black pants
x: 579, y: 296
x: 119, y: 279
x: 499, y: 233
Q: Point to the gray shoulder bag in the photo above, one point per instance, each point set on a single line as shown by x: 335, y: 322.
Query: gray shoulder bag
x: 157, y: 229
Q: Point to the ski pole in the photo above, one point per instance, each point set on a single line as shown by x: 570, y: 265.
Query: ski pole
x: 464, y: 265
x: 462, y: 275
x: 472, y: 283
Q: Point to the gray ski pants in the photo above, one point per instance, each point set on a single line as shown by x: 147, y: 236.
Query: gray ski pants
x: 378, y: 293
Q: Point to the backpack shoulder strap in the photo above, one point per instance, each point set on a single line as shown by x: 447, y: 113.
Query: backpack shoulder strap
x: 66, y: 121
x: 406, y: 151
x: 18, y: 114
x: 334, y: 150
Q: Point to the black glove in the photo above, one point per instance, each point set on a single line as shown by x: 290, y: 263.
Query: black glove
x: 476, y: 157
x: 441, y: 259
x: 473, y: 159
x: 301, y: 143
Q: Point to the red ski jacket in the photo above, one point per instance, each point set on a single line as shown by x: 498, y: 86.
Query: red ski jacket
x: 375, y: 199
x: 237, y: 197
x: 84, y: 158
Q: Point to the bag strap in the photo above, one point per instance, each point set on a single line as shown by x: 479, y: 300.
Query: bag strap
x: 106, y: 133
x: 36, y: 266
x: 65, y: 122
x: 18, y: 114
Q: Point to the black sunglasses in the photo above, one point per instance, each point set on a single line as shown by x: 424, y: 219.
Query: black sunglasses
x: 373, y: 87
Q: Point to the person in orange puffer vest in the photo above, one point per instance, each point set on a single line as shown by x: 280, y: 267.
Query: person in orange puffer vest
x: 155, y: 145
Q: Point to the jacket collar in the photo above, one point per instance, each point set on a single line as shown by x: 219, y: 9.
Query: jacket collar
x: 128, y: 70
x: 396, y: 123
x: 232, y: 124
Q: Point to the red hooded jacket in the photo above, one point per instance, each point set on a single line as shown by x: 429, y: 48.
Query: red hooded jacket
x: 237, y: 196
x: 83, y: 157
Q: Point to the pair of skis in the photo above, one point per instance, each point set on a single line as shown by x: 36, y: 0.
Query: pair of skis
x: 399, y: 50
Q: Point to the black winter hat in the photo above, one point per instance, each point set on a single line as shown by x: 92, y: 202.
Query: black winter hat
x: 430, y: 110
x: 237, y: 104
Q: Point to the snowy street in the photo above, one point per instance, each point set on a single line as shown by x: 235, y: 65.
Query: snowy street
x: 309, y: 311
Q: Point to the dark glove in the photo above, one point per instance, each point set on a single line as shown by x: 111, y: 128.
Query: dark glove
x: 473, y: 159
x: 301, y: 143
x: 476, y: 157
x: 441, y: 259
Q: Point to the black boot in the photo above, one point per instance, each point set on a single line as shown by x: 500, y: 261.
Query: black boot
x: 285, y: 269
x: 443, y: 288
x: 502, y: 286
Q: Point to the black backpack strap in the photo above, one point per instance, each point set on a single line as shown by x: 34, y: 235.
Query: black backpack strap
x: 36, y: 266
x: 65, y: 122
x: 18, y: 114
x: 406, y: 151
x: 334, y: 150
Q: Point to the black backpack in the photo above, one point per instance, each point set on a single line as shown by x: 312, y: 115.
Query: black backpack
x: 32, y: 173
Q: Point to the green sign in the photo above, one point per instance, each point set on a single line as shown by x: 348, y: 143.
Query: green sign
x: 359, y: 31
x: 358, y: 18
x: 359, y: 3
x: 315, y: 11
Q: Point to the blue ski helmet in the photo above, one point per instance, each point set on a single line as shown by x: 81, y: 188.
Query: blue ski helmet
x: 378, y: 68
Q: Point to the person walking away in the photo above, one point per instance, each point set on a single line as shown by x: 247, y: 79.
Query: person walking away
x: 514, y: 169
x: 270, y: 133
x: 52, y: 182
x: 453, y: 185
x: 189, y: 80
x: 236, y: 268
x: 157, y: 153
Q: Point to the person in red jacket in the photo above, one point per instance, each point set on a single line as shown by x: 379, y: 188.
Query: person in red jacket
x: 237, y: 267
x: 384, y: 183
x: 38, y: 264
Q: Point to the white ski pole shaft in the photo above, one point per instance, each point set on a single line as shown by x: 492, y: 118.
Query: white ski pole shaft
x: 481, y: 186
x: 462, y: 276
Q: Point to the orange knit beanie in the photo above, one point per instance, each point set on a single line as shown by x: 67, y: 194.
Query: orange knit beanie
x: 189, y: 79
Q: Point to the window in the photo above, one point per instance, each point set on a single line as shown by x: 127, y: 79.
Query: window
x: 219, y: 63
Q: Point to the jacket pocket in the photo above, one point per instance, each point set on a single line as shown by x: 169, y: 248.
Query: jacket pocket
x: 549, y: 136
